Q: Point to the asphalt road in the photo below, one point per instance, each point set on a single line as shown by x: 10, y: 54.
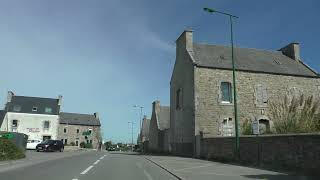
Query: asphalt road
x: 95, y: 165
x: 91, y: 166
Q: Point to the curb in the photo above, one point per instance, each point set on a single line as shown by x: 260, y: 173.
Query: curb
x: 176, y: 176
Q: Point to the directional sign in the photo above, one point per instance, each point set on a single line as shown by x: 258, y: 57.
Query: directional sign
x: 7, y: 136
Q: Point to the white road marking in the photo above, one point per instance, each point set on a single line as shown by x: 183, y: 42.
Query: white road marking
x: 96, y: 162
x: 102, y: 157
x: 88, y: 169
x: 194, y: 167
x: 4, y: 164
x: 74, y: 179
x: 147, y: 174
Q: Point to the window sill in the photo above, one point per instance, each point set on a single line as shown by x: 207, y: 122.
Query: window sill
x: 224, y: 103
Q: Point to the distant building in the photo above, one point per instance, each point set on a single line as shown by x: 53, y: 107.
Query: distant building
x: 75, y: 128
x: 144, y: 134
x: 159, y: 128
x: 35, y: 116
x: 201, y: 88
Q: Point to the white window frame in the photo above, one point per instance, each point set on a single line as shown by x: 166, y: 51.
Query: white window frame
x: 222, y: 102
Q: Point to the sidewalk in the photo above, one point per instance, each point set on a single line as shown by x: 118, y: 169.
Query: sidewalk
x: 196, y: 169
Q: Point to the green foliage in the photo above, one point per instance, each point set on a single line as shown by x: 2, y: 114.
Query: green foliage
x: 82, y: 144
x: 246, y: 127
x: 86, y: 145
x: 9, y: 151
x: 300, y: 115
x: 108, y: 144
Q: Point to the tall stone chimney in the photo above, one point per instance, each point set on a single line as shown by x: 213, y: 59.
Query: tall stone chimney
x: 156, y: 106
x: 185, y: 41
x: 9, y: 96
x: 96, y: 115
x: 60, y: 100
x: 292, y: 50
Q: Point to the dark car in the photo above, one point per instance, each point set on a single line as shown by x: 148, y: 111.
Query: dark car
x: 50, y: 145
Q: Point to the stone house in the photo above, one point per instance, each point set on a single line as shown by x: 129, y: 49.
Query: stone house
x: 201, y: 88
x: 36, y: 117
x: 159, y: 128
x: 75, y: 128
x: 144, y: 134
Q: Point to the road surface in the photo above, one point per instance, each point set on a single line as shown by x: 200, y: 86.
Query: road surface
x: 95, y: 165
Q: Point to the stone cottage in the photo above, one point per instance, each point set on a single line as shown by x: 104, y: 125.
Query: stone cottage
x: 75, y: 128
x: 201, y: 88
x: 144, y: 134
x: 159, y: 128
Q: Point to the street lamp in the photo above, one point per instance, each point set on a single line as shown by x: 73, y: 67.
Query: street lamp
x: 233, y: 75
x: 131, y: 134
x: 141, y: 107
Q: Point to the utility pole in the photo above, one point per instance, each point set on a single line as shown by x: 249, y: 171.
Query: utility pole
x: 237, y: 151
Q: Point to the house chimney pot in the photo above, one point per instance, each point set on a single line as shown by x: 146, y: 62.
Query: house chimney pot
x: 9, y: 97
x: 96, y: 115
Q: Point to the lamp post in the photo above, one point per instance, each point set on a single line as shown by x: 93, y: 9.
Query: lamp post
x: 131, y: 134
x: 141, y: 108
x: 233, y: 76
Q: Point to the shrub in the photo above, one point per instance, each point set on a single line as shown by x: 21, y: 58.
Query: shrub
x: 82, y: 144
x: 9, y: 151
x: 246, y: 127
x: 300, y: 115
x: 88, y: 145
x: 72, y: 144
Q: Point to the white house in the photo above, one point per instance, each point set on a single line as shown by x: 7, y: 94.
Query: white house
x: 35, y: 116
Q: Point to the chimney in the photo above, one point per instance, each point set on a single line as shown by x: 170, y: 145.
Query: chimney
x: 292, y: 50
x: 60, y: 100
x: 156, y: 105
x: 185, y: 41
x: 9, y: 96
x: 96, y: 115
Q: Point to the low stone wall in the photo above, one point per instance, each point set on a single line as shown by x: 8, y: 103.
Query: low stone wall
x: 298, y: 152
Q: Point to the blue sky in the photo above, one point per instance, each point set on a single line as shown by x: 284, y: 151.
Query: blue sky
x: 107, y: 55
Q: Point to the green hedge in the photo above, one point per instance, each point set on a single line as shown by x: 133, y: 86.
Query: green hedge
x: 9, y: 151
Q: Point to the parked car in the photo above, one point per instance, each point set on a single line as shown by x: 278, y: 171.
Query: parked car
x: 32, y: 144
x: 50, y: 145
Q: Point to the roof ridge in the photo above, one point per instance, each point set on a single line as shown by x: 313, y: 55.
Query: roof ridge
x: 36, y: 97
x: 237, y: 47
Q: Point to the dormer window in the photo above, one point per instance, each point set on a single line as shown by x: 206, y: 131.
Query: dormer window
x: 34, y: 109
x: 16, y: 108
x: 48, y: 110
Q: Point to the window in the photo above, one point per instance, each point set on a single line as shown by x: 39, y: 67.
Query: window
x: 179, y: 99
x: 34, y: 108
x: 15, y: 123
x: 261, y: 95
x: 78, y: 131
x: 227, y: 127
x: 77, y: 143
x: 226, y: 92
x: 61, y: 140
x: 16, y: 108
x: 65, y: 141
x: 65, y: 130
x: 90, y: 141
x: 46, y: 124
x: 48, y: 110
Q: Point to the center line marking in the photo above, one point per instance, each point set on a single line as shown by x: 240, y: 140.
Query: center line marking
x: 96, y: 162
x: 74, y: 179
x: 88, y: 169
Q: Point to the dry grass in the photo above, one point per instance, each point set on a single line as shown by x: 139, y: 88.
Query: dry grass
x: 300, y: 115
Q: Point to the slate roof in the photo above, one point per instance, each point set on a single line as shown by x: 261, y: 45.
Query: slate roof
x: 164, y: 118
x: 246, y: 59
x: 2, y: 115
x: 79, y: 119
x: 27, y: 103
